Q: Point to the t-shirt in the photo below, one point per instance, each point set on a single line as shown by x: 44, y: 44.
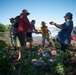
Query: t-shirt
x: 64, y: 36
x: 24, y: 23
x: 44, y: 30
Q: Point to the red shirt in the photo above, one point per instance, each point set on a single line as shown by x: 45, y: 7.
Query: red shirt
x: 23, y: 24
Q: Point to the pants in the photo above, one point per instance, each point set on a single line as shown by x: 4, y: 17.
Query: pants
x: 21, y: 38
x: 63, y: 47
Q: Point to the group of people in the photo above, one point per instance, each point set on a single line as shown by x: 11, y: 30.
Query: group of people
x: 22, y: 28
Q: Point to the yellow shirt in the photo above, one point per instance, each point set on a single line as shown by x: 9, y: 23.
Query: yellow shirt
x: 44, y: 30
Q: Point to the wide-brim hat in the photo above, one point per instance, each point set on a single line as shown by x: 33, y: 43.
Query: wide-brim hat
x: 25, y: 11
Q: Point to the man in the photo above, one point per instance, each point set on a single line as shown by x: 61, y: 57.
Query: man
x: 12, y: 33
x: 21, y: 30
x: 64, y: 36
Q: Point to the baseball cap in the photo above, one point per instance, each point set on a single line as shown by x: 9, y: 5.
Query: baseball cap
x: 68, y: 15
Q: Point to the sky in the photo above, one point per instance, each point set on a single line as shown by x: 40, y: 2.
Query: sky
x: 40, y: 10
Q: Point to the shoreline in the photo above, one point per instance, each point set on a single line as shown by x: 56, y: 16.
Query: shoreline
x: 35, y: 39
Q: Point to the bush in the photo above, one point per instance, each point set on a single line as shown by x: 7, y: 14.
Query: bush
x: 2, y: 27
x: 2, y: 44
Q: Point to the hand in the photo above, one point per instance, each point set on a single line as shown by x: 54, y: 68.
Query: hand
x: 52, y: 23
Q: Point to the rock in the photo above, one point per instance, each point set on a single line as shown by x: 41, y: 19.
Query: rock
x: 48, y: 52
x: 46, y: 56
x: 52, y: 61
x: 39, y: 64
x: 39, y: 54
x: 53, y: 52
x: 34, y: 60
x: 58, y: 51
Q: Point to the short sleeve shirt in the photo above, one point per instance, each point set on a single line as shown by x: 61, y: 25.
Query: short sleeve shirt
x: 64, y: 36
x: 44, y: 30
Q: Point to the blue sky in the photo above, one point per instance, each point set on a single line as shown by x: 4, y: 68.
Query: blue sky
x: 40, y: 10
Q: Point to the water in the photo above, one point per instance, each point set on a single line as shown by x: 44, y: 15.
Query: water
x: 53, y: 34
x: 6, y: 36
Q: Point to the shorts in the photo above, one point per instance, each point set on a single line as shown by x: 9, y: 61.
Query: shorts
x: 29, y: 37
x: 21, y: 38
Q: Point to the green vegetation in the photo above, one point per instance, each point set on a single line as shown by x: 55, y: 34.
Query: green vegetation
x: 5, y: 62
x: 2, y: 44
x: 4, y: 28
x: 61, y: 65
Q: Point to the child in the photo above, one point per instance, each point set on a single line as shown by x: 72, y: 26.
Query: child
x: 29, y: 33
x: 45, y: 33
x: 12, y: 33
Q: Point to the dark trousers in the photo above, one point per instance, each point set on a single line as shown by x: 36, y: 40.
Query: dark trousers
x: 63, y: 47
x: 21, y: 38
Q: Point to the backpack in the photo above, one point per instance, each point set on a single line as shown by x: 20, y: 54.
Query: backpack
x: 16, y: 23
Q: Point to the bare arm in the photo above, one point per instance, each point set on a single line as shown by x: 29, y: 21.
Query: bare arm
x: 34, y: 28
x: 57, y: 25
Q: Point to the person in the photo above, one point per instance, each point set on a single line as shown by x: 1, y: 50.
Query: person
x: 12, y: 33
x: 73, y: 35
x: 21, y: 30
x: 45, y: 33
x: 29, y: 33
x: 64, y: 36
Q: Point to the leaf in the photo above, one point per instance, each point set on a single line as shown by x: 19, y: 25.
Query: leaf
x: 2, y: 44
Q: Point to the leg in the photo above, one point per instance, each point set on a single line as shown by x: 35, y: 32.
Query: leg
x: 21, y: 38
x: 48, y: 39
x: 29, y: 38
x: 43, y: 41
x: 30, y: 44
x: 11, y: 42
x: 15, y: 41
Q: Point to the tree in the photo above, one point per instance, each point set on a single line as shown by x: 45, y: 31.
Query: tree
x: 7, y: 27
x: 2, y: 27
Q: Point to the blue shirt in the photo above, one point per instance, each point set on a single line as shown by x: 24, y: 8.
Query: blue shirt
x: 64, y: 36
